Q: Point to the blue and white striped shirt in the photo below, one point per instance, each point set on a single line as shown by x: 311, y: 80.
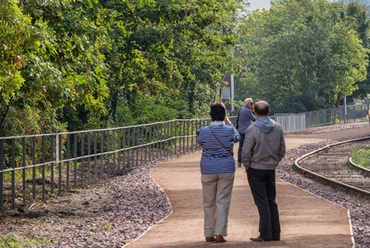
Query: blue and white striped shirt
x: 215, y: 159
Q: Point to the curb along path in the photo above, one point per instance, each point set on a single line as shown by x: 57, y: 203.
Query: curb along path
x: 306, y: 220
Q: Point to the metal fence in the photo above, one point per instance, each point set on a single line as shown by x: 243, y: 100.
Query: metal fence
x: 291, y: 122
x: 36, y: 167
x: 340, y: 115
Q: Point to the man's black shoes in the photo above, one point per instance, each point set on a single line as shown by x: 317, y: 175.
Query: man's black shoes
x: 260, y: 239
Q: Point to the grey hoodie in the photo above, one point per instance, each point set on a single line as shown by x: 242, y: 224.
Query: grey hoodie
x: 264, y: 145
x: 265, y: 124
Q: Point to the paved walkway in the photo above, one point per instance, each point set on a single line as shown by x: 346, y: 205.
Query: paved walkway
x: 306, y: 220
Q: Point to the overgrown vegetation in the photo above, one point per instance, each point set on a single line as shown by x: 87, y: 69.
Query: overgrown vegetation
x: 304, y: 55
x: 70, y: 65
x: 361, y: 157
x: 14, y: 241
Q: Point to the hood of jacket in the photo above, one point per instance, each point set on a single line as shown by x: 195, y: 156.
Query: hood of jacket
x: 265, y: 124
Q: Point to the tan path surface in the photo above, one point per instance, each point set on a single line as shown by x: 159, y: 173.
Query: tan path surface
x: 306, y: 220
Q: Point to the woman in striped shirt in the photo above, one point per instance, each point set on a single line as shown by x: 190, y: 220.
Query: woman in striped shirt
x: 217, y: 167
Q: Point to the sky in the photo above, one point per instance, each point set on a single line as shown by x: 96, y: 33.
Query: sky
x: 258, y: 4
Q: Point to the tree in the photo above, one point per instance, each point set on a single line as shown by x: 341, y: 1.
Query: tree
x: 19, y: 40
x: 61, y: 46
x: 168, y: 50
x: 358, y: 16
x: 300, y: 55
x: 87, y: 64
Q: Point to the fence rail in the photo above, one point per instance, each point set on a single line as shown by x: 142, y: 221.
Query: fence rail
x: 36, y: 167
x: 340, y: 115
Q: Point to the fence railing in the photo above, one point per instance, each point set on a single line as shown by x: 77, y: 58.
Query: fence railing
x: 340, y: 115
x: 36, y: 167
x: 291, y: 122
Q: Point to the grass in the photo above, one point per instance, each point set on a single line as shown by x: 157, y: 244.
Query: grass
x: 361, y: 157
x: 18, y: 174
x: 107, y: 226
x: 14, y: 241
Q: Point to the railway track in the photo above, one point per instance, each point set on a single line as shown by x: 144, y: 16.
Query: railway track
x: 332, y: 165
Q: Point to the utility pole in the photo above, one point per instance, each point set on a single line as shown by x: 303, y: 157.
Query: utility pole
x: 345, y: 110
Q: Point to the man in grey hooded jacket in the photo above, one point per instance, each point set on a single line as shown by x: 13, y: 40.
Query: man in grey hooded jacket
x: 262, y: 152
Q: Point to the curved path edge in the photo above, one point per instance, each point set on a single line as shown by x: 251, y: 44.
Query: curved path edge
x: 306, y: 220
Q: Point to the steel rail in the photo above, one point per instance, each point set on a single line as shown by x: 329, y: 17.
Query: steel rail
x: 309, y: 173
x: 357, y: 167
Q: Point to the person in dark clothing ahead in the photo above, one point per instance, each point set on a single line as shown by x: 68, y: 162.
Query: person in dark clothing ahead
x: 262, y: 152
x: 245, y: 118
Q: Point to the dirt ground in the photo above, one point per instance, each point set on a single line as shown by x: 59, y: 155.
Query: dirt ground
x: 72, y: 209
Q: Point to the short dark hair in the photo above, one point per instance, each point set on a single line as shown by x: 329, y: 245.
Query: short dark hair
x: 218, y: 111
x: 262, y: 108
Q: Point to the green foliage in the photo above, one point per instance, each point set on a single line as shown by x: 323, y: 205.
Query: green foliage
x: 14, y: 241
x: 359, y: 18
x: 19, y: 38
x: 148, y: 109
x: 107, y: 226
x: 172, y: 51
x: 76, y: 50
x: 361, y: 157
x: 14, y: 33
x: 77, y: 64
x: 300, y: 55
x: 59, y: 63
